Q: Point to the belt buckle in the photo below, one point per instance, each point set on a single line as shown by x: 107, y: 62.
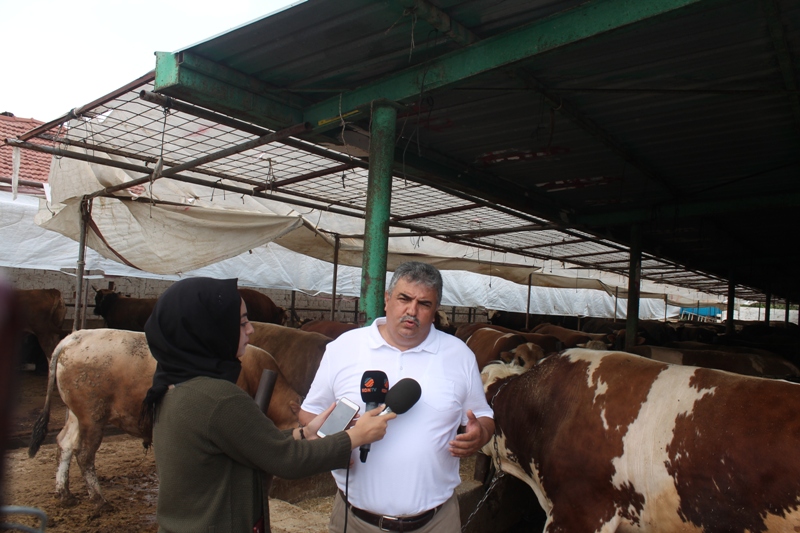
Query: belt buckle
x: 384, y: 517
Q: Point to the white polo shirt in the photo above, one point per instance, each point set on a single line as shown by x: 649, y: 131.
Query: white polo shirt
x: 410, y: 470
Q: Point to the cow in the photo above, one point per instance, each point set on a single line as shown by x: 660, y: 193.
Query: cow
x: 42, y: 313
x: 487, y: 344
x: 610, y: 441
x: 548, y: 343
x: 329, y: 328
x: 525, y: 355
x: 570, y: 337
x: 261, y: 308
x: 297, y: 352
x: 103, y: 376
x: 123, y: 312
x: 748, y: 364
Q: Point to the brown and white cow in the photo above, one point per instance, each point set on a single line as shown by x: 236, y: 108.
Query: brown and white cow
x: 487, y: 344
x: 103, y: 376
x: 42, y: 313
x: 548, y: 343
x: 611, y: 441
x: 297, y: 352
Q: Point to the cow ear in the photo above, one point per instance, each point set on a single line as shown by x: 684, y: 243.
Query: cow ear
x: 294, y: 406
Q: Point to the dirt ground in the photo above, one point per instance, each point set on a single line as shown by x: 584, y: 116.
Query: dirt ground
x: 127, y: 478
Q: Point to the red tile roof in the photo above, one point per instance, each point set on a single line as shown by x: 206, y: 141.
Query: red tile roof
x: 34, y: 166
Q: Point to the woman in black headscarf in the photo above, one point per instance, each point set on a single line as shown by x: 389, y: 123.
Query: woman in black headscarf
x: 211, y: 440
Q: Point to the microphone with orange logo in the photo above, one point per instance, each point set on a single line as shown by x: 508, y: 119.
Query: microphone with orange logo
x: 374, y: 386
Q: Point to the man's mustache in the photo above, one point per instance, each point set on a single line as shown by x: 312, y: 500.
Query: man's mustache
x: 412, y: 318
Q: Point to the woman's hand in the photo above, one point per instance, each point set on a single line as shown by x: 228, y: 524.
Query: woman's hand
x: 369, y: 428
x: 310, y: 431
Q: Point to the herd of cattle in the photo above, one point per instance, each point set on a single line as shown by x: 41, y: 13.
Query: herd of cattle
x: 680, y: 435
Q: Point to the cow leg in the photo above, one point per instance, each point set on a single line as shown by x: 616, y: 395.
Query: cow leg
x: 67, y: 442
x: 90, y: 438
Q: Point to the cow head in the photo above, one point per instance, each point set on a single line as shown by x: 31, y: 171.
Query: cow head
x: 525, y: 355
x: 103, y: 301
x: 496, y: 371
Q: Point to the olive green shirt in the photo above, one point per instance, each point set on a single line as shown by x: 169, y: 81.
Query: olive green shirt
x: 211, y: 443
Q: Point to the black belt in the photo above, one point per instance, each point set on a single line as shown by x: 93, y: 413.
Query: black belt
x: 393, y: 523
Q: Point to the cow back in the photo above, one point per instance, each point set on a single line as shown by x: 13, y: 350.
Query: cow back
x: 297, y: 352
x: 611, y: 440
x: 329, y: 328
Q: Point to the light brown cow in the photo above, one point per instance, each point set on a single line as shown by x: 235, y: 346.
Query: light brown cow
x: 103, y: 376
x: 42, y: 313
x: 329, y: 328
x: 297, y: 352
x: 612, y: 442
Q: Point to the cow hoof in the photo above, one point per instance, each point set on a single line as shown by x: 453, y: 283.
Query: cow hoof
x: 102, y: 506
x: 68, y: 500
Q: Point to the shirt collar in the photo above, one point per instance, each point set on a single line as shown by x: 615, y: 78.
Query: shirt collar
x: 430, y: 344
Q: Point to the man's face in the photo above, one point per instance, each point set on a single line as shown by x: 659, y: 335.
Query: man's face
x: 410, y: 311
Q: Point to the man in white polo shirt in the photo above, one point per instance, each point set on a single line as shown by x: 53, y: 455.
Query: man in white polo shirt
x: 409, y: 478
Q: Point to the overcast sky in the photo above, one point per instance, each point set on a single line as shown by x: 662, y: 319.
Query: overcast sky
x: 61, y: 54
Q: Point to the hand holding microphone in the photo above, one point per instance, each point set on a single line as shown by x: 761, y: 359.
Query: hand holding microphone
x: 374, y: 386
x: 399, y: 399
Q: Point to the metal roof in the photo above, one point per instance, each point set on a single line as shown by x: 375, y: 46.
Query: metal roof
x: 550, y: 129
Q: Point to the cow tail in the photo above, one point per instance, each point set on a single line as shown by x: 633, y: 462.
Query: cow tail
x: 40, y: 427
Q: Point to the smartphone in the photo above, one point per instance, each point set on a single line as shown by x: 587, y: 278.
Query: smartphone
x: 340, y: 417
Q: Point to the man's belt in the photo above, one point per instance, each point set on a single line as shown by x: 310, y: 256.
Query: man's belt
x: 393, y: 523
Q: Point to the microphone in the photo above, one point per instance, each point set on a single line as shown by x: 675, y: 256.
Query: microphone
x: 374, y: 386
x: 402, y: 396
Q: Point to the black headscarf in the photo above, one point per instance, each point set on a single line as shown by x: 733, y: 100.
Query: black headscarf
x: 193, y: 331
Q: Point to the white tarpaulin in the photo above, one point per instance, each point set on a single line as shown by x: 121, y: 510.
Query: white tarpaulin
x: 26, y: 245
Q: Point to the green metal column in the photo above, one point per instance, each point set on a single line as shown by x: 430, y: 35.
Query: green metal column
x: 379, y: 197
x: 634, y: 286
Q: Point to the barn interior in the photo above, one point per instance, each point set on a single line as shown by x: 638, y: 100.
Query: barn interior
x: 653, y: 138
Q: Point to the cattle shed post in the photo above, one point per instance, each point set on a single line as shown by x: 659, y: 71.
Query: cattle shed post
x: 729, y: 325
x: 767, y: 303
x: 528, y: 309
x: 634, y: 278
x: 379, y: 197
x: 80, y: 303
x: 786, y: 316
x: 616, y: 302
x: 336, y: 239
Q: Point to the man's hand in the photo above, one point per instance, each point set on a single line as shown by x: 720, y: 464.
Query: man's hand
x: 478, y: 432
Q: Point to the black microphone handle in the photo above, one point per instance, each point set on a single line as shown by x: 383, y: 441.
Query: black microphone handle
x: 366, y: 447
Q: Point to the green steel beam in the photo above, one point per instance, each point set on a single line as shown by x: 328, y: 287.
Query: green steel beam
x: 379, y: 197
x: 672, y: 211
x: 202, y: 82
x: 587, y: 20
